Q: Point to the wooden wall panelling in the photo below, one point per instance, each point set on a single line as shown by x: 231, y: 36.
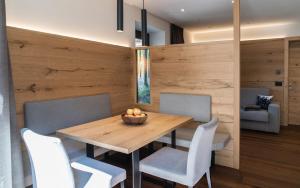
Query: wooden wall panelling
x: 262, y: 64
x: 47, y: 66
x: 205, y: 69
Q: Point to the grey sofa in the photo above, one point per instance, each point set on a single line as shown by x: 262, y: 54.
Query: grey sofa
x: 261, y: 120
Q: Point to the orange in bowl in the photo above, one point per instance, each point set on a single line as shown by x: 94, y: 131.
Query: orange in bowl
x: 134, y: 117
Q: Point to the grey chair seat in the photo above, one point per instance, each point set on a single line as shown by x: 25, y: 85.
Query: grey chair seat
x: 167, y: 163
x: 260, y: 115
x: 84, y: 167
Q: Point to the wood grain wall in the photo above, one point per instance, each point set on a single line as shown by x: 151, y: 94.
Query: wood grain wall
x: 47, y: 66
x: 205, y: 69
x: 262, y: 63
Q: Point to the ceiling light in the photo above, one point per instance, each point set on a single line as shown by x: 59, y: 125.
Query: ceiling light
x: 182, y: 10
x: 232, y: 1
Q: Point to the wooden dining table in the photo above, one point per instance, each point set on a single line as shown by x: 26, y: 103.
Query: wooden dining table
x: 111, y: 133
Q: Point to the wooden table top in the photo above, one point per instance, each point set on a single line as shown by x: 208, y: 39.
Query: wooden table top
x: 111, y: 133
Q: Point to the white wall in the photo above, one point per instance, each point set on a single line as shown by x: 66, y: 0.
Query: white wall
x: 87, y: 19
x: 157, y: 38
x: 249, y: 32
x: 188, y: 36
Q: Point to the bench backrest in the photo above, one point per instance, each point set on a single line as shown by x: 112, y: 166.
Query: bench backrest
x: 196, y: 106
x: 45, y: 117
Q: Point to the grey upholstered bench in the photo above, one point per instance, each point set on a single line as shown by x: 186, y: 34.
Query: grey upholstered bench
x: 45, y: 117
x: 197, y: 106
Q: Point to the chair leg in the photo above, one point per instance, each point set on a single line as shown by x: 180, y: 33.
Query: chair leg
x: 123, y: 184
x: 208, y: 179
x: 141, y: 179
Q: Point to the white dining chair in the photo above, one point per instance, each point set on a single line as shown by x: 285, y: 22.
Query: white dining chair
x: 183, y: 167
x: 51, y: 166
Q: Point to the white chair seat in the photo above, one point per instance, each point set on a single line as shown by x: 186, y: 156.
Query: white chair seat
x: 167, y: 163
x: 87, y: 171
x: 185, y: 168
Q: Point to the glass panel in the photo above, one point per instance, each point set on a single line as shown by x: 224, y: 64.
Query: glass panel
x: 138, y: 42
x: 143, y: 76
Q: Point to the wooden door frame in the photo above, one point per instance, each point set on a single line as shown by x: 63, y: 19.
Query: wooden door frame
x: 286, y: 76
x: 237, y: 81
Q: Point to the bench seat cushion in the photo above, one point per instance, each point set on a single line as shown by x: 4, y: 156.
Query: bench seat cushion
x: 184, y: 137
x: 77, y: 149
x: 261, y: 115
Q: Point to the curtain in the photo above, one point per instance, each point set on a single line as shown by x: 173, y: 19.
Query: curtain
x: 176, y: 34
x: 11, y: 166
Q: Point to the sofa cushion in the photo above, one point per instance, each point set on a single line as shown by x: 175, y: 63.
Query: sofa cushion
x: 249, y: 95
x: 261, y: 115
x: 264, y: 101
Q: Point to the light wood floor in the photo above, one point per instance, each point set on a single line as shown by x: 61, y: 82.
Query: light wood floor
x: 267, y: 161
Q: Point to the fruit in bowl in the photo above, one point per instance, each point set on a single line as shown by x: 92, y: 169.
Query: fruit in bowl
x: 134, y: 116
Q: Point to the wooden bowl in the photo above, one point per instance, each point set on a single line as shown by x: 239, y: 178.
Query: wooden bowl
x: 134, y: 120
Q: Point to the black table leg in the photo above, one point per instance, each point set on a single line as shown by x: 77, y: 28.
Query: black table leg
x: 173, y: 139
x: 90, y: 151
x: 136, y: 179
x: 150, y: 148
x: 213, y: 158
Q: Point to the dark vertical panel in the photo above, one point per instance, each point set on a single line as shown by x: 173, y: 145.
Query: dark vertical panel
x: 144, y: 27
x: 120, y: 15
x: 176, y: 34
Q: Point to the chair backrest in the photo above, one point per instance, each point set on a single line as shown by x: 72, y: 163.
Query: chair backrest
x: 199, y: 157
x: 45, y: 117
x: 49, y: 162
x: 249, y: 95
x: 196, y: 106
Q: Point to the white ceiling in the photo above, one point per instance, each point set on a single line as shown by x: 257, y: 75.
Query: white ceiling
x: 200, y: 14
